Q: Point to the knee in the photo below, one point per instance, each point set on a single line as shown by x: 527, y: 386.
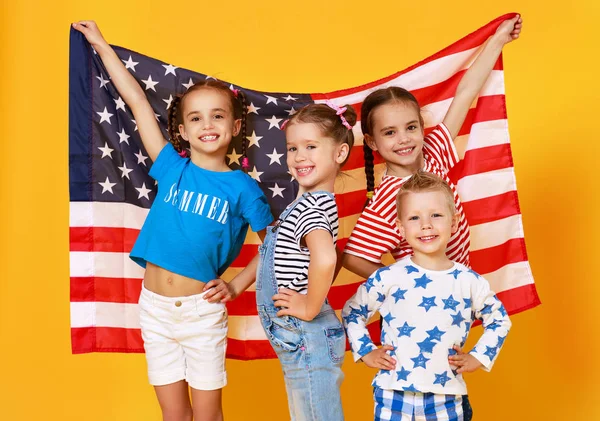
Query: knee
x: 177, y: 414
x: 208, y: 414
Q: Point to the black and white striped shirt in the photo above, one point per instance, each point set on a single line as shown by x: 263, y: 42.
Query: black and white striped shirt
x: 314, y: 211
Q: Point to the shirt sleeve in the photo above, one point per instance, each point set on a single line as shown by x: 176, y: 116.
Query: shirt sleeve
x: 165, y: 160
x: 359, y: 309
x: 374, y: 235
x: 310, y: 219
x: 256, y: 210
x: 439, y: 148
x: 496, y: 324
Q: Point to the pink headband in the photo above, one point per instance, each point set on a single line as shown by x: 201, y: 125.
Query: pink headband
x: 339, y: 111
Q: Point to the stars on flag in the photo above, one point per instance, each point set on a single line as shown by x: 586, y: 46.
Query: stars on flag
x: 271, y: 99
x: 103, y: 82
x: 106, y: 150
x: 141, y: 158
x: 105, y: 116
x: 150, y: 84
x: 189, y: 84
x: 169, y: 69
x: 125, y: 171
x: 130, y: 64
x: 107, y: 186
x: 234, y: 157
x: 274, y: 122
x: 277, y: 191
x: 253, y: 140
x: 275, y: 157
x: 255, y: 174
x: 119, y: 104
x: 123, y: 137
x: 252, y: 109
x: 143, y: 191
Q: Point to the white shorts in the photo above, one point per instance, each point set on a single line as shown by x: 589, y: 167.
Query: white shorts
x: 185, y: 338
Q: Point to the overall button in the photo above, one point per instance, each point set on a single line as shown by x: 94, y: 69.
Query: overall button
x: 177, y: 303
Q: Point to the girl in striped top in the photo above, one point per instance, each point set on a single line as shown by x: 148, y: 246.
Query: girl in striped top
x: 392, y: 125
x: 298, y: 261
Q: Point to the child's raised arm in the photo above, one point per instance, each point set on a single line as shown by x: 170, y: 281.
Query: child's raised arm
x: 473, y: 80
x: 128, y: 88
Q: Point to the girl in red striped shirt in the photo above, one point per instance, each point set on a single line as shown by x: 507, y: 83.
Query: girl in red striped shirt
x: 392, y: 125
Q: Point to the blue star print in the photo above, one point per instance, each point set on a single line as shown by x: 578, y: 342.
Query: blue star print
x: 365, y: 340
x: 502, y: 310
x: 351, y: 318
x: 402, y: 374
x: 405, y: 330
x: 369, y: 284
x: 388, y: 318
x: 450, y: 302
x: 493, y: 326
x: 455, y: 273
x: 420, y: 361
x: 365, y: 349
x: 427, y: 303
x: 410, y: 269
x: 435, y: 334
x: 491, y: 352
x: 457, y: 319
x: 441, y: 378
x: 501, y: 340
x: 380, y: 297
x: 377, y: 274
x: 474, y: 273
x: 452, y: 351
x: 410, y: 388
x: 399, y: 294
x: 467, y: 302
x: 364, y: 310
x: 487, y: 309
x: 422, y: 281
x: 426, y: 346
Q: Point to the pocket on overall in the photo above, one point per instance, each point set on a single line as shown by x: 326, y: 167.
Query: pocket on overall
x: 282, y: 332
x: 336, y: 343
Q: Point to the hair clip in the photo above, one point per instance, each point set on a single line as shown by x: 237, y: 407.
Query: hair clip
x: 245, y: 163
x: 235, y: 91
x: 183, y: 153
x: 339, y: 111
x: 369, y: 195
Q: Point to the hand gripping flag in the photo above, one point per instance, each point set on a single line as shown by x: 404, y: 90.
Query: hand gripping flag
x: 111, y: 192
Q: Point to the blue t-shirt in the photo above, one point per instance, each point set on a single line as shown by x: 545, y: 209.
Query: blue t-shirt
x: 198, y: 222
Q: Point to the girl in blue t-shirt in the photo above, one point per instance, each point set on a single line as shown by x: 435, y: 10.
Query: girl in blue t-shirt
x: 194, y: 230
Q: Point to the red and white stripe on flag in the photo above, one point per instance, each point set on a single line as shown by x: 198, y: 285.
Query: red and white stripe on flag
x: 105, y: 283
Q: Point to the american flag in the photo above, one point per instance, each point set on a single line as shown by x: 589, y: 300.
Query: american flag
x: 111, y: 192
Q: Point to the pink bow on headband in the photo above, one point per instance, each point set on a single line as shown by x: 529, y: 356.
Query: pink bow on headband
x: 339, y: 111
x: 235, y: 91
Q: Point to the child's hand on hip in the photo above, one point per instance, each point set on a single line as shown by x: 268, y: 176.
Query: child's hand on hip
x: 294, y: 303
x: 378, y: 358
x: 219, y: 291
x: 466, y: 363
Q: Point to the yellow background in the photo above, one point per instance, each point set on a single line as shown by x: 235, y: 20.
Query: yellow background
x: 549, y: 367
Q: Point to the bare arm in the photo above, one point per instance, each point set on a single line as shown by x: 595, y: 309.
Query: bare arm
x: 474, y: 79
x: 128, y: 88
x: 360, y: 266
x: 320, y: 276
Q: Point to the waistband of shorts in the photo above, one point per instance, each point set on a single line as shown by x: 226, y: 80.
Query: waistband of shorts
x: 195, y: 300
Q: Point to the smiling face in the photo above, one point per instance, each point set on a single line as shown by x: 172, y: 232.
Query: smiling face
x: 209, y: 123
x: 397, y: 134
x: 312, y: 158
x: 427, y: 220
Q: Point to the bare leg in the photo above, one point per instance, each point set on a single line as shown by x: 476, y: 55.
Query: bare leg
x: 207, y: 405
x: 174, y: 400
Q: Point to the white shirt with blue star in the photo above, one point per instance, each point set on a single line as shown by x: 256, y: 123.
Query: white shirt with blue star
x: 424, y: 313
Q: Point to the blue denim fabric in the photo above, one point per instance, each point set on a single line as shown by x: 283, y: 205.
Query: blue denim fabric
x: 311, y: 353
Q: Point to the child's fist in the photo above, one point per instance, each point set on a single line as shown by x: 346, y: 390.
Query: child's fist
x: 465, y: 363
x: 510, y: 29
x: 378, y: 358
x: 90, y: 30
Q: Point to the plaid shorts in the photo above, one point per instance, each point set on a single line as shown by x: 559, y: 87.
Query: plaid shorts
x: 392, y: 405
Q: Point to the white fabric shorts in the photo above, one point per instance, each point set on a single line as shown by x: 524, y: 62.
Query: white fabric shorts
x: 185, y: 338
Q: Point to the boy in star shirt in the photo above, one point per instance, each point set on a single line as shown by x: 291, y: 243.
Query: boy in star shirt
x: 427, y: 304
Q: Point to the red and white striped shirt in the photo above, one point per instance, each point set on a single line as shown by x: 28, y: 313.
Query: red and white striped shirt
x: 376, y: 233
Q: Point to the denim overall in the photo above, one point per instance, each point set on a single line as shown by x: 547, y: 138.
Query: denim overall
x: 311, y: 353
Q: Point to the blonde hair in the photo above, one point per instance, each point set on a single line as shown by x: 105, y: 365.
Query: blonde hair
x: 423, y: 181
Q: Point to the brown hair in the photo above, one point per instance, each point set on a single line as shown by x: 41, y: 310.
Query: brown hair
x: 370, y: 104
x: 423, y: 181
x: 328, y: 121
x: 175, y: 113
